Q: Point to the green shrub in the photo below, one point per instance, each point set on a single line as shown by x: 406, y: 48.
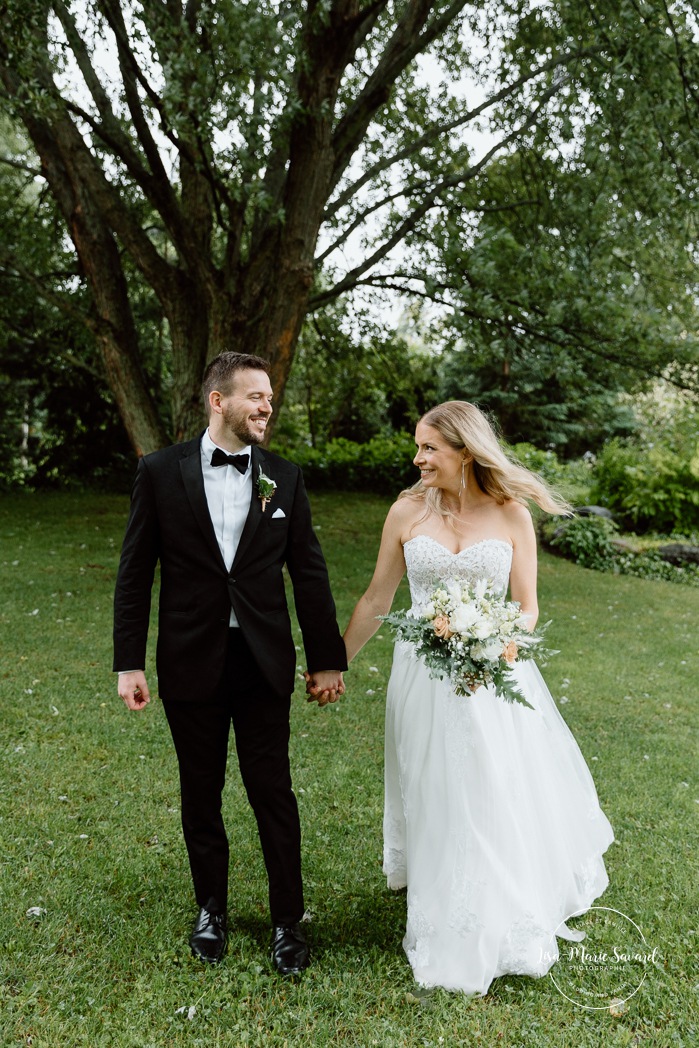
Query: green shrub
x: 648, y: 488
x: 545, y: 463
x: 650, y: 565
x: 383, y: 465
x: 586, y: 540
x: 593, y: 542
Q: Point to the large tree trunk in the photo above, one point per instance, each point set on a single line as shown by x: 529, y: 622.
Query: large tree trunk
x: 188, y: 319
x: 72, y: 174
x: 189, y: 309
x: 112, y: 322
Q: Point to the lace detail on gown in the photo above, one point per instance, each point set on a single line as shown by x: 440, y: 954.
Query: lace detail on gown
x: 428, y: 560
x: 491, y: 817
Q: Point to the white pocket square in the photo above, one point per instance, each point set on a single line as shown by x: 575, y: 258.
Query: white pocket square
x: 278, y: 513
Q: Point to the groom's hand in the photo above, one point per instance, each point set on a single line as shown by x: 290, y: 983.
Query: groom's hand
x: 324, y: 686
x: 133, y: 689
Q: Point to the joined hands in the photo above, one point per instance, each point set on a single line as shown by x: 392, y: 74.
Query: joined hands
x: 324, y: 686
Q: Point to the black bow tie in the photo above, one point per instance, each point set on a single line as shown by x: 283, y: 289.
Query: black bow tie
x: 220, y: 458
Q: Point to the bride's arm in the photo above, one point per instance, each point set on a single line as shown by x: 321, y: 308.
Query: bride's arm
x: 523, y: 571
x: 390, y: 567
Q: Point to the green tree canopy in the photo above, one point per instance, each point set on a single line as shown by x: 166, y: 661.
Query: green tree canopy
x: 213, y: 159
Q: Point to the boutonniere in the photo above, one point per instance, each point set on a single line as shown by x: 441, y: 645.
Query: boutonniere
x: 265, y: 489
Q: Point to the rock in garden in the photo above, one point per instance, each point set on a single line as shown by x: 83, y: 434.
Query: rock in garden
x: 679, y: 553
x: 594, y: 511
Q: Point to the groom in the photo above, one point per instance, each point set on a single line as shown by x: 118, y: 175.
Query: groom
x: 223, y: 516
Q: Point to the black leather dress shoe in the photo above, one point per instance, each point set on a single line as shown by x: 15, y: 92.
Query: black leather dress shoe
x: 208, y: 939
x: 290, y: 952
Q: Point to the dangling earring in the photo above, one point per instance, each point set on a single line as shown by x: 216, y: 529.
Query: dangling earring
x: 462, y: 485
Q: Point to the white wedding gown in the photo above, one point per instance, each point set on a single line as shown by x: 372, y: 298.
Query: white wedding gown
x: 491, y: 816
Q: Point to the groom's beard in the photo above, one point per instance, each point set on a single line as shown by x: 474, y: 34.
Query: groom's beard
x: 240, y: 425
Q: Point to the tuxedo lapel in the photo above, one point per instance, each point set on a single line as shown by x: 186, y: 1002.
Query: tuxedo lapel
x: 255, y: 512
x: 193, y: 478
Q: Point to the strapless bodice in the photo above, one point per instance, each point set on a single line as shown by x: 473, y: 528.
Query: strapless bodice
x: 429, y: 562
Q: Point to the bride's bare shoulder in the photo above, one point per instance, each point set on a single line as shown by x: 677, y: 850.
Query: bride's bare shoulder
x: 518, y: 517
x: 405, y: 511
x: 516, y: 511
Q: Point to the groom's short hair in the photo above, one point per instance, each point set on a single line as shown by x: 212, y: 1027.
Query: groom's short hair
x: 221, y: 371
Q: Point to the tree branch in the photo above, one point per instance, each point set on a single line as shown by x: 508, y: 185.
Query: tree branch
x: 406, y: 42
x: 133, y: 77
x: 437, y: 130
x: 589, y: 340
x: 63, y: 149
x: 431, y: 200
x: 365, y: 21
x: 33, y: 171
x: 29, y: 276
x: 681, y: 65
x: 57, y: 347
x: 132, y: 74
x: 155, y: 182
x: 412, y: 190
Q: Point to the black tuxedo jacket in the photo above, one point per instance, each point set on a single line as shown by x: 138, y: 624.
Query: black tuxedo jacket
x: 169, y: 522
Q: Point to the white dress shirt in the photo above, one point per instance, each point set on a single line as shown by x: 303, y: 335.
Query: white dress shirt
x: 228, y: 494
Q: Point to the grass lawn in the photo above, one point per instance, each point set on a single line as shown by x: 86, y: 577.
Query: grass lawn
x: 90, y: 834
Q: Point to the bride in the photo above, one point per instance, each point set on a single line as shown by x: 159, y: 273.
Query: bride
x: 491, y: 819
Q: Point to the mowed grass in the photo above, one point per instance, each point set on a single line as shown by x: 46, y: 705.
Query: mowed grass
x: 90, y: 834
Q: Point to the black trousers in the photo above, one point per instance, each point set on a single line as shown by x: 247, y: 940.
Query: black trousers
x: 261, y: 727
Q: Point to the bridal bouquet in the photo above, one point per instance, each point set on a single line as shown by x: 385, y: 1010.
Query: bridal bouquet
x: 470, y: 635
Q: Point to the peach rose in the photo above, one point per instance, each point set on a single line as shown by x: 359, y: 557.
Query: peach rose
x: 509, y: 653
x: 441, y: 627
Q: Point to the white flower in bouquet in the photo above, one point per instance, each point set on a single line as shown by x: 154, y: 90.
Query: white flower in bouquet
x: 453, y: 591
x: 472, y: 636
x: 480, y: 589
x: 483, y: 629
x: 463, y: 618
x: 488, y: 650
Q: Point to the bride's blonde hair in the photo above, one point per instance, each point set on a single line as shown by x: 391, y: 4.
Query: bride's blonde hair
x: 465, y: 428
